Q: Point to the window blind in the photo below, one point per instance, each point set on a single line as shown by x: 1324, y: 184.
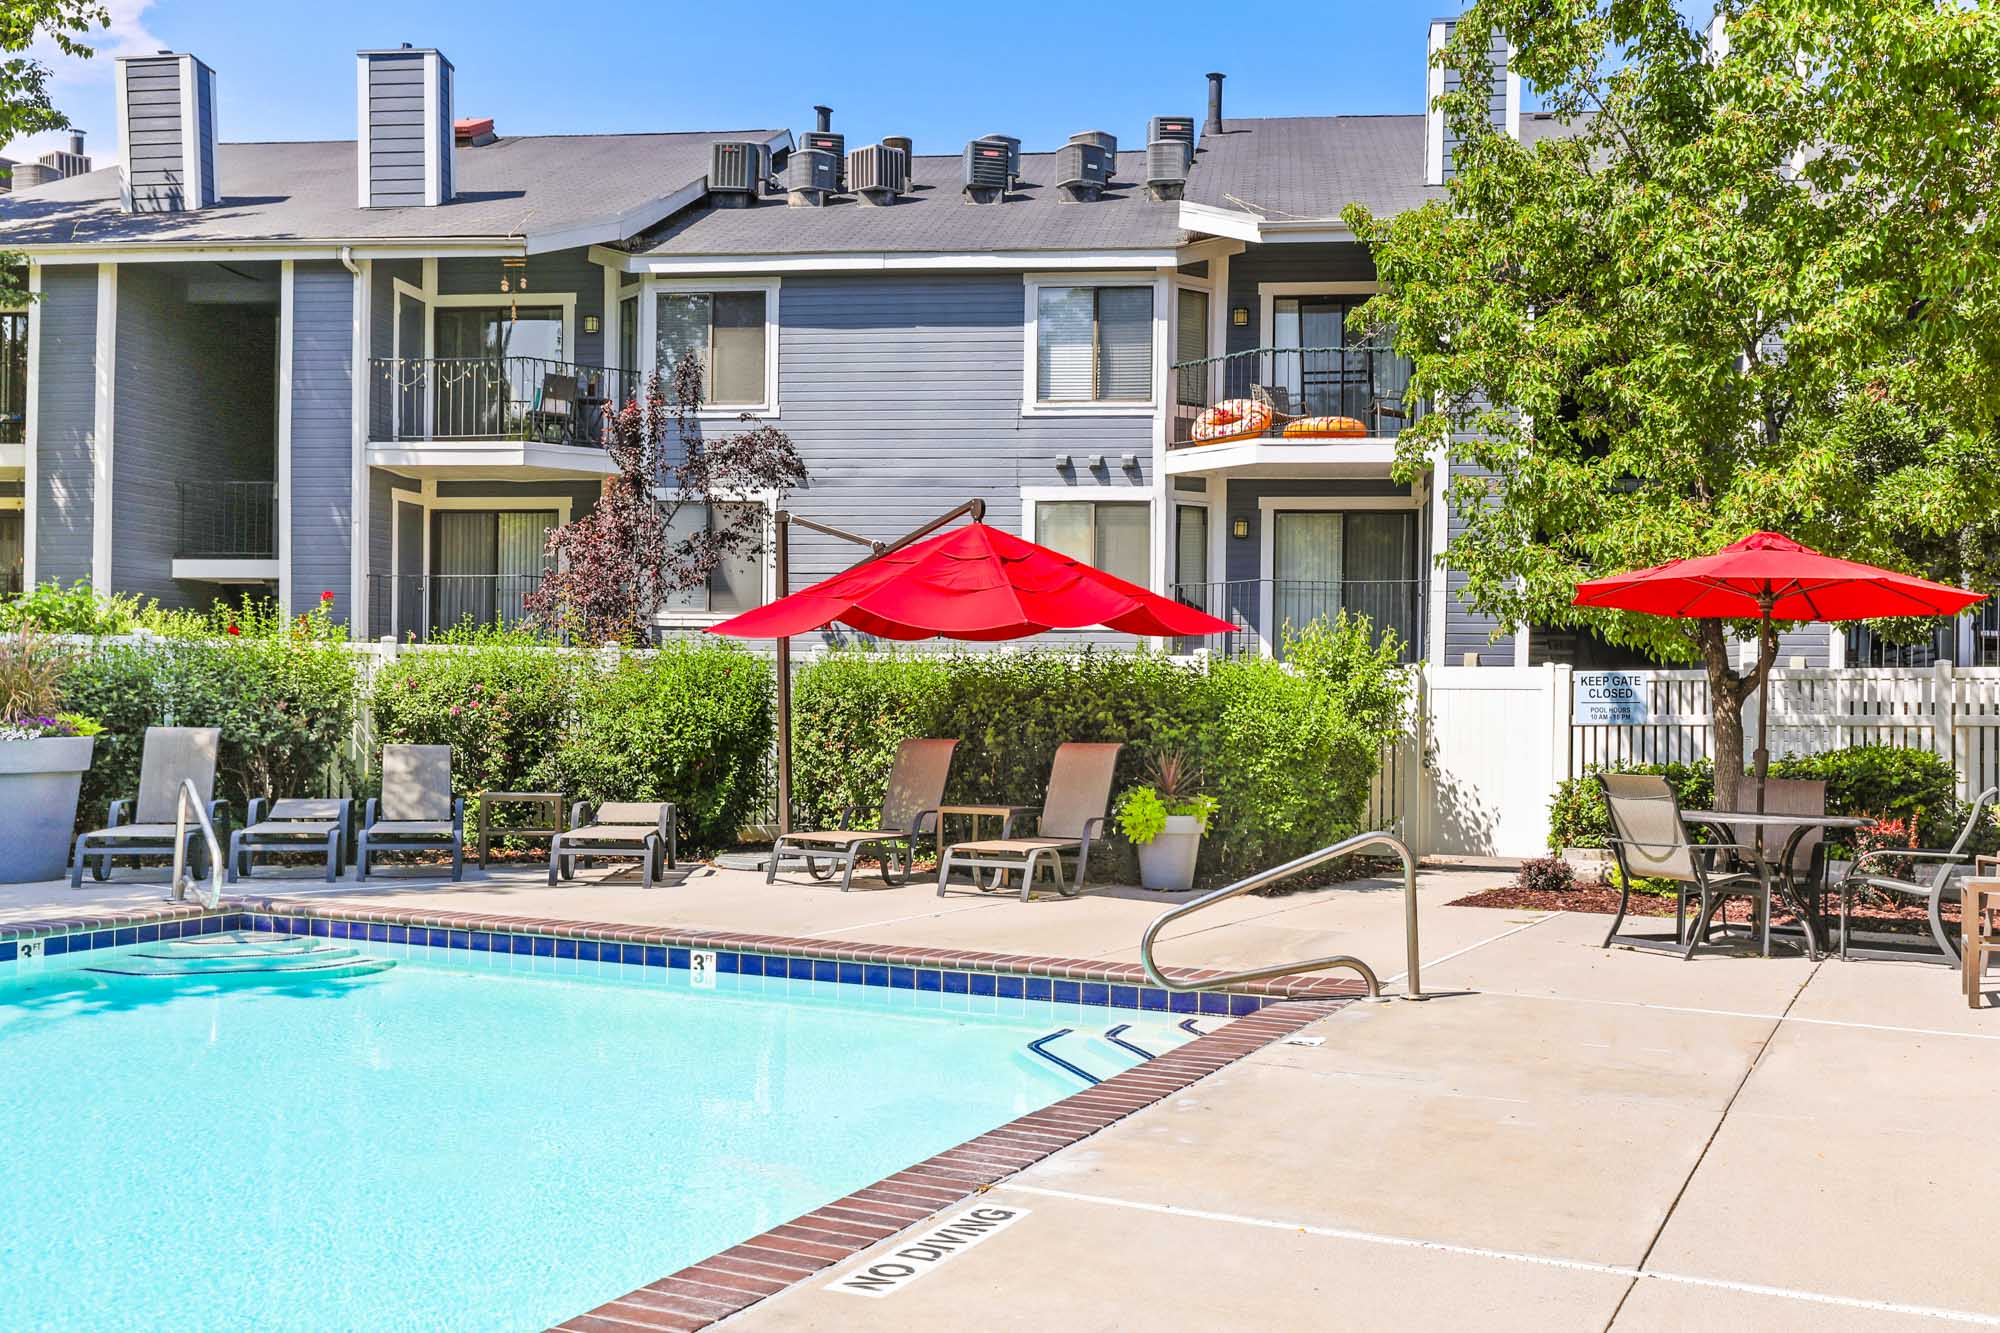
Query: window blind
x: 1063, y: 319
x: 1124, y: 344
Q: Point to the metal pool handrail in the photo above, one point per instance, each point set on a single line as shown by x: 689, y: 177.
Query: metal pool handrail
x: 189, y: 797
x: 1413, y: 987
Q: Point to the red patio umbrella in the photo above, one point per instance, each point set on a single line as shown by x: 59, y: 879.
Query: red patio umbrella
x: 1767, y: 576
x: 975, y: 583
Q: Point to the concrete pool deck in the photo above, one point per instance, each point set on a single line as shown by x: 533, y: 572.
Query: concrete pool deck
x: 1563, y: 1138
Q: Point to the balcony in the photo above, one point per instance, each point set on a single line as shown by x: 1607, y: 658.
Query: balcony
x: 1260, y: 608
x: 228, y: 532
x: 467, y: 416
x: 1366, y: 383
x: 418, y: 606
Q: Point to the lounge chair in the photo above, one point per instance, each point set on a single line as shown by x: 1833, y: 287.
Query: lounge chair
x: 292, y: 826
x: 646, y: 831
x: 1073, y: 814
x: 1870, y: 872
x: 416, y: 810
x: 172, y: 755
x: 916, y: 790
x: 1650, y: 841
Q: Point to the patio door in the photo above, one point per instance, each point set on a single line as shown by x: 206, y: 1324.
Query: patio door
x: 491, y: 361
x: 484, y: 564
x: 1311, y: 333
x: 1307, y: 554
x: 11, y: 550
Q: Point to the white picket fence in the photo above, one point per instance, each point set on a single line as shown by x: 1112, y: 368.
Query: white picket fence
x: 1496, y: 741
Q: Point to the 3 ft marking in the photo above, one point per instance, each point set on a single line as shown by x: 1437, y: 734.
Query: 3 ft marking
x: 896, y: 1270
x: 701, y: 969
x: 28, y: 949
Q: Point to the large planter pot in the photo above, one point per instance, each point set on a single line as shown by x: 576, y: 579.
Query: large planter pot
x: 1167, y: 862
x: 38, y: 785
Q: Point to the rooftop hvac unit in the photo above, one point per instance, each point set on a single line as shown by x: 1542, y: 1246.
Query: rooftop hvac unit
x: 736, y: 166
x: 1013, y: 154
x: 811, y: 175
x: 1171, y: 127
x: 878, y: 173
x: 1166, y: 162
x: 826, y: 141
x: 1108, y: 142
x: 986, y: 174
x: 902, y: 141
x: 1081, y: 170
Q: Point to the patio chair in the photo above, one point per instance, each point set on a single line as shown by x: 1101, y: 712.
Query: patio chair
x: 172, y: 755
x: 647, y: 831
x: 416, y: 810
x: 1869, y: 871
x: 1981, y: 934
x: 1649, y: 840
x: 292, y: 826
x: 1807, y: 871
x: 553, y: 418
x: 915, y: 791
x: 1073, y: 815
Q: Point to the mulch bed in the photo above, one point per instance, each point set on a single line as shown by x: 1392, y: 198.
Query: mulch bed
x: 1909, y: 917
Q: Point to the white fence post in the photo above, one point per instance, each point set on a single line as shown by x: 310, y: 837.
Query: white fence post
x: 1944, y: 720
x: 1562, y: 713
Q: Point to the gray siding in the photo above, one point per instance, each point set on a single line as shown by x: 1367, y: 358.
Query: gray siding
x: 195, y: 405
x: 547, y: 276
x: 1496, y: 94
x: 396, y: 130
x: 154, y: 135
x: 65, y: 414
x: 322, y: 435
x: 1287, y: 263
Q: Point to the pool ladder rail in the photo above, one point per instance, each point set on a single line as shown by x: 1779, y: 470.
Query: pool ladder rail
x: 1113, y: 1036
x: 186, y: 799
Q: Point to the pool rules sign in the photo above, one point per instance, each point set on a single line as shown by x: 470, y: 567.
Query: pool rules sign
x: 1610, y: 698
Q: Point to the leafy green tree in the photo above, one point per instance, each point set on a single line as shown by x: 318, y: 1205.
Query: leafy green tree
x: 1756, y: 285
x: 25, y: 106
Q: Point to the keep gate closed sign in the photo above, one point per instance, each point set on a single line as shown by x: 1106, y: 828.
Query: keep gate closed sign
x: 1609, y: 698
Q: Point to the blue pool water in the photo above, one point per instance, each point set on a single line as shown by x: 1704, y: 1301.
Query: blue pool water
x: 461, y: 1144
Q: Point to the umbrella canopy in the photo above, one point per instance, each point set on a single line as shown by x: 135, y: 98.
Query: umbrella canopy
x: 975, y: 583
x: 1768, y: 575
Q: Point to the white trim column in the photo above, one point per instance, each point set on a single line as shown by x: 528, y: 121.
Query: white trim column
x: 102, y: 426
x: 30, y: 428
x: 284, y: 472
x: 357, y: 568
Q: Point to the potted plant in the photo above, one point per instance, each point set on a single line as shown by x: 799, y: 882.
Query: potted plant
x: 1165, y: 819
x: 43, y: 755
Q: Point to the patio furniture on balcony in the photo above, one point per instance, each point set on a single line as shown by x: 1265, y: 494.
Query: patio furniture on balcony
x: 415, y: 399
x: 1879, y: 871
x: 1320, y: 388
x: 553, y: 417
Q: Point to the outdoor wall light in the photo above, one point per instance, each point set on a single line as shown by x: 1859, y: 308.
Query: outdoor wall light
x: 590, y: 324
x: 1239, y: 528
x: 1240, y: 317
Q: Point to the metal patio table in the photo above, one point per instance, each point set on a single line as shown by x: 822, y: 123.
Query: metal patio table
x: 1810, y: 914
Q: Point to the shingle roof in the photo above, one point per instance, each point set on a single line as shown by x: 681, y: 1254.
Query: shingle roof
x: 934, y: 218
x: 516, y: 186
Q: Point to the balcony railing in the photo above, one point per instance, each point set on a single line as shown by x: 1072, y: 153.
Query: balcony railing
x: 1366, y: 383
x: 493, y: 398
x: 1272, y: 604
x: 228, y: 520
x: 419, y: 605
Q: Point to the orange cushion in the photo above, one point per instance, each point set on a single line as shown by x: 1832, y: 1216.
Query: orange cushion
x: 1232, y: 419
x: 1326, y: 428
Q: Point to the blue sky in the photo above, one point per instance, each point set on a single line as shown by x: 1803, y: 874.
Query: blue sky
x: 940, y: 73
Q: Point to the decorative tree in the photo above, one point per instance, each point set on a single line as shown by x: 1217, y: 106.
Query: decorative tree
x: 1756, y: 286
x: 25, y: 106
x: 611, y: 569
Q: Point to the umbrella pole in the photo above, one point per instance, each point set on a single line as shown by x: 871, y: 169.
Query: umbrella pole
x: 781, y: 556
x: 1763, y: 755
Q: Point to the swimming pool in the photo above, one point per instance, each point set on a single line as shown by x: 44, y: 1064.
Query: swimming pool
x: 466, y: 1140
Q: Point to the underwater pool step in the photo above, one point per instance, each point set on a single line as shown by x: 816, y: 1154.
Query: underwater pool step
x: 243, y: 953
x: 234, y: 944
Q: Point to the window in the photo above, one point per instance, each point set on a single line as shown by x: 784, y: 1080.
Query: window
x: 1327, y: 371
x: 1094, y: 344
x: 737, y: 584
x: 482, y: 332
x: 726, y: 331
x: 1113, y: 535
x: 628, y: 335
x: 1191, y: 344
x: 13, y: 376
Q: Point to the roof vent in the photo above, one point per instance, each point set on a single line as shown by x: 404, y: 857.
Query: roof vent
x: 736, y: 169
x: 1166, y: 169
x: 473, y: 133
x: 986, y: 174
x: 1013, y: 156
x: 903, y: 142
x: 810, y: 176
x: 878, y: 173
x: 166, y: 134
x: 1081, y: 171
x: 27, y: 175
x: 1108, y: 142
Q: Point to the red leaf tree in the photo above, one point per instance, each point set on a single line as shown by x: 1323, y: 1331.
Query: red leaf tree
x: 611, y: 569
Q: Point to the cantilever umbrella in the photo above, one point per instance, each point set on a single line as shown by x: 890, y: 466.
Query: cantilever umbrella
x: 1767, y: 576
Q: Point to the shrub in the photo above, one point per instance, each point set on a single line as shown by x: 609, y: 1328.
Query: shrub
x: 850, y: 709
x: 501, y: 698
x: 282, y: 689
x: 31, y: 671
x: 690, y: 723
x: 1546, y: 874
x: 76, y: 609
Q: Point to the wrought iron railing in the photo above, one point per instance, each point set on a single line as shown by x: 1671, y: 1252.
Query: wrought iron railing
x: 228, y: 520
x: 493, y: 398
x: 418, y: 606
x: 1366, y: 382
x: 1262, y: 608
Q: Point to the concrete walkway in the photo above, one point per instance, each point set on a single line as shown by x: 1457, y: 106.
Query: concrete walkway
x: 1564, y: 1138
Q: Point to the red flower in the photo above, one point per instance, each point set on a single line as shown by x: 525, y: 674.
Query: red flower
x: 234, y: 630
x: 326, y: 596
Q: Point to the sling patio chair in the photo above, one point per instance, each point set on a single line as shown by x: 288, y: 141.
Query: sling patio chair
x: 318, y: 826
x: 646, y: 831
x: 1877, y: 870
x: 915, y: 791
x: 1807, y: 870
x: 172, y: 756
x: 1649, y: 840
x: 416, y: 810
x: 1073, y: 815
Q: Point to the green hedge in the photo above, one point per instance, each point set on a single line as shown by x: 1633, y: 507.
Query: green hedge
x: 1880, y: 780
x: 282, y: 691
x: 1288, y: 753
